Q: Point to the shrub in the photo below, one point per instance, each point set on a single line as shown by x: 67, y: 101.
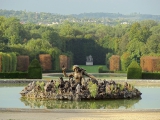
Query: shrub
x: 115, y: 63
x: 8, y: 62
x: 100, y: 69
x: 93, y: 89
x: 14, y: 61
x: 16, y: 75
x: 150, y: 63
x: 45, y: 61
x: 134, y: 71
x: 148, y: 75
x: 22, y: 63
x: 41, y: 84
x: 35, y: 70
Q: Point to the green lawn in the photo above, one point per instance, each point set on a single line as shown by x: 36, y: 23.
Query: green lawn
x: 92, y: 68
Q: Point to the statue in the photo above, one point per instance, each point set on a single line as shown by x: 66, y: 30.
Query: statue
x: 89, y: 58
x: 78, y: 74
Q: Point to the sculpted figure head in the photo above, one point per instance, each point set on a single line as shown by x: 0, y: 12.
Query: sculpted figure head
x: 75, y: 66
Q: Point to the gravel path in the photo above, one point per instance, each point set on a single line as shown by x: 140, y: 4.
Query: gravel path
x: 32, y: 114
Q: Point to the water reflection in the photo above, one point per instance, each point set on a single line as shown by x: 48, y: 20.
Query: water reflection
x: 100, y: 104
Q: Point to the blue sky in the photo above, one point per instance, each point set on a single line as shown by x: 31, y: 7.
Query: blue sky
x: 84, y: 6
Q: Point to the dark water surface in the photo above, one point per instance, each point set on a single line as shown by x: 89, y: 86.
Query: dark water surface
x: 10, y: 98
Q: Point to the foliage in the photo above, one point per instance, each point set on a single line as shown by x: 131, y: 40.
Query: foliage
x: 56, y: 86
x: 134, y: 71
x: 82, y: 48
x: 125, y: 61
x: 8, y: 62
x: 41, y: 84
x: 115, y: 63
x: 13, y: 62
x: 121, y: 87
x: 149, y: 75
x: 102, y: 18
x: 22, y: 63
x: 108, y: 55
x: 55, y: 58
x: 100, y: 69
x: 45, y: 61
x: 13, y: 75
x: 77, y: 40
x: 93, y: 88
x: 35, y: 63
x: 35, y: 70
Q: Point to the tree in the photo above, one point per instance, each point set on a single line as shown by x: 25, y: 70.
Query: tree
x: 134, y: 47
x: 14, y: 31
x: 53, y: 38
x: 149, y: 23
x: 67, y: 30
x: 155, y: 29
x: 123, y: 43
x: 37, y: 46
x: 139, y: 33
x: 153, y: 44
x: 125, y: 60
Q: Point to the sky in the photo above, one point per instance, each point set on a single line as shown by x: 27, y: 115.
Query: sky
x: 66, y: 7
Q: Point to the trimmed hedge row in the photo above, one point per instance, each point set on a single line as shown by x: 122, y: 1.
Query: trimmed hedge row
x: 135, y: 72
x: 148, y: 75
x: 8, y: 62
x: 101, y: 70
x: 16, y: 75
x: 55, y: 71
x: 34, y: 72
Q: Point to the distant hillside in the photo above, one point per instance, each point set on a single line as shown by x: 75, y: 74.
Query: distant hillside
x: 134, y: 16
x: 102, y: 18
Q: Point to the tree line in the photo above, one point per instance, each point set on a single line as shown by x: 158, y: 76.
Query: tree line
x: 130, y: 41
x: 100, y: 18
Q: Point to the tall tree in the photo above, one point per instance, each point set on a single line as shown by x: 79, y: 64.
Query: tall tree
x: 153, y: 44
x: 14, y: 31
x: 53, y: 38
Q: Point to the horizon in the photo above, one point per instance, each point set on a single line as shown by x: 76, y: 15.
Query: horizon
x: 78, y: 13
x: 69, y: 7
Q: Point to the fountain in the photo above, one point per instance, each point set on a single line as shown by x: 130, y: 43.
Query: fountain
x: 78, y: 88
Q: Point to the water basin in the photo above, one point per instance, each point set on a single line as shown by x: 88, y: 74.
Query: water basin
x: 10, y: 98
x: 107, y: 76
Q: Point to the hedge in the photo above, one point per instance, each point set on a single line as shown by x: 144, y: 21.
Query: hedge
x: 134, y: 71
x: 16, y: 75
x: 22, y: 63
x: 35, y: 70
x: 45, y: 61
x: 8, y: 62
x: 114, y: 63
x: 148, y: 75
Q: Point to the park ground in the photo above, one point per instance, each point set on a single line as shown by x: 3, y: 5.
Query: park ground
x: 31, y: 114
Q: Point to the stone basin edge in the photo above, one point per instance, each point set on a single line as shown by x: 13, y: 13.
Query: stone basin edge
x: 28, y: 110
x: 117, y: 80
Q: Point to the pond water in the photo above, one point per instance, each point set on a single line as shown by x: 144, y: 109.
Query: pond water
x: 10, y: 98
x: 55, y: 76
